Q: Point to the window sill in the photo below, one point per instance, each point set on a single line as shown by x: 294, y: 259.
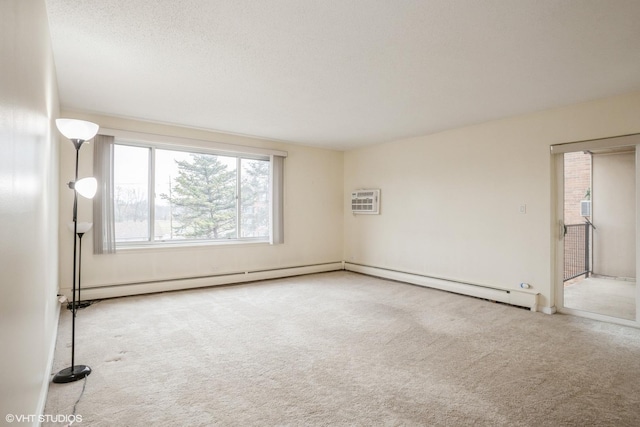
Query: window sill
x: 137, y: 247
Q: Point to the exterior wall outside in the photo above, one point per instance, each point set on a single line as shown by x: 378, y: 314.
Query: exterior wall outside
x: 577, y: 182
x: 614, y: 214
x: 451, y: 201
x: 28, y: 207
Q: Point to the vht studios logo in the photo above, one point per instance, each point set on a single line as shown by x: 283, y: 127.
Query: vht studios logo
x: 57, y: 418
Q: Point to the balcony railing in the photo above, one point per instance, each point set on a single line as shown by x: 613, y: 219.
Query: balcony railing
x: 576, y: 250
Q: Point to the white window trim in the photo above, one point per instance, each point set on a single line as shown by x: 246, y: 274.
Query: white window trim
x: 157, y: 141
x: 175, y: 142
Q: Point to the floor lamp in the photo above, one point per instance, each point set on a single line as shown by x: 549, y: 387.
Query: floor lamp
x: 81, y: 228
x: 78, y: 131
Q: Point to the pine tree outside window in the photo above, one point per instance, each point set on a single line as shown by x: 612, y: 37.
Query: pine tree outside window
x: 196, y: 197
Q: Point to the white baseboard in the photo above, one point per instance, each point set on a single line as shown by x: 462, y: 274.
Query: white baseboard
x: 519, y: 297
x: 120, y: 290
x: 548, y: 310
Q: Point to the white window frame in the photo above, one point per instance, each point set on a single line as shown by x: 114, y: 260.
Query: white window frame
x: 195, y: 146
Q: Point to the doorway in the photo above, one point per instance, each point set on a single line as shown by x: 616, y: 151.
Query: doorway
x: 597, y: 247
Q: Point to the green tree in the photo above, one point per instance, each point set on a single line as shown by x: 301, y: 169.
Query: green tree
x: 204, y: 198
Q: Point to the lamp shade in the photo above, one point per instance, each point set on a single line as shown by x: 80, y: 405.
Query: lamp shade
x: 77, y: 129
x: 86, y: 187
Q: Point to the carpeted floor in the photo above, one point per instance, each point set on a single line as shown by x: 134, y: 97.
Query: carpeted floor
x: 343, y: 349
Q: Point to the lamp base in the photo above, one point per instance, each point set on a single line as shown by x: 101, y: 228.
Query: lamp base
x: 71, y: 374
x: 79, y: 305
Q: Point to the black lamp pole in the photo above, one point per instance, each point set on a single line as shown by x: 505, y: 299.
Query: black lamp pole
x: 80, y: 304
x: 74, y: 372
x: 79, y: 267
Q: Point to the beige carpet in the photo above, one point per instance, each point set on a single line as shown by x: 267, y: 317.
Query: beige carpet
x: 340, y: 349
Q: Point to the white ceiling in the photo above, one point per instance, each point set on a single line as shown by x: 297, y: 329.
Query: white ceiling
x: 340, y: 73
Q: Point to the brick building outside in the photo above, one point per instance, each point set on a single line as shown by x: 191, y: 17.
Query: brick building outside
x: 577, y: 187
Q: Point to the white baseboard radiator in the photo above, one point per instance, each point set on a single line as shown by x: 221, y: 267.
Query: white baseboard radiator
x: 127, y: 289
x: 518, y: 297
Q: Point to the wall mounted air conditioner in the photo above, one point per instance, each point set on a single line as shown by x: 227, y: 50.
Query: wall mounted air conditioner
x: 585, y: 208
x: 365, y: 202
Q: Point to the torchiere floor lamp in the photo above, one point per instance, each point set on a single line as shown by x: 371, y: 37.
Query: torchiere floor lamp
x: 78, y: 131
x: 81, y: 228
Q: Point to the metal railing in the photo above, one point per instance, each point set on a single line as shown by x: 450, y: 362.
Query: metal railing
x: 576, y: 250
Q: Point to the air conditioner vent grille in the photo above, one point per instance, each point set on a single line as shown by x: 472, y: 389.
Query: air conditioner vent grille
x: 365, y: 202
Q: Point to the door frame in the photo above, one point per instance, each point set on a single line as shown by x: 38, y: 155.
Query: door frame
x: 557, y: 227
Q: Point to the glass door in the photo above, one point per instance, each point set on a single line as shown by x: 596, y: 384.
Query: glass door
x: 597, y: 245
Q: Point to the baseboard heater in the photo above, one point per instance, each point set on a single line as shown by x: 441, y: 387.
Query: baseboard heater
x: 127, y: 289
x: 518, y: 297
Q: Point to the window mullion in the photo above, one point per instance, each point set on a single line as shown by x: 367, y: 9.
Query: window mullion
x: 238, y: 197
x: 152, y: 194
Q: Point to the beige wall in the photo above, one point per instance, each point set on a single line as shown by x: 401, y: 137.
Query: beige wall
x: 28, y: 206
x: 614, y: 214
x: 450, y: 201
x: 313, y: 218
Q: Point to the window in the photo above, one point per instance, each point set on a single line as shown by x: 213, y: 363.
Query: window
x: 168, y: 194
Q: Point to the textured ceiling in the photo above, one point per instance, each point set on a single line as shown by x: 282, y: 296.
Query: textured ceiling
x: 340, y: 73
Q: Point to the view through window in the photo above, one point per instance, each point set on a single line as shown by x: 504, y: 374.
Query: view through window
x: 164, y: 195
